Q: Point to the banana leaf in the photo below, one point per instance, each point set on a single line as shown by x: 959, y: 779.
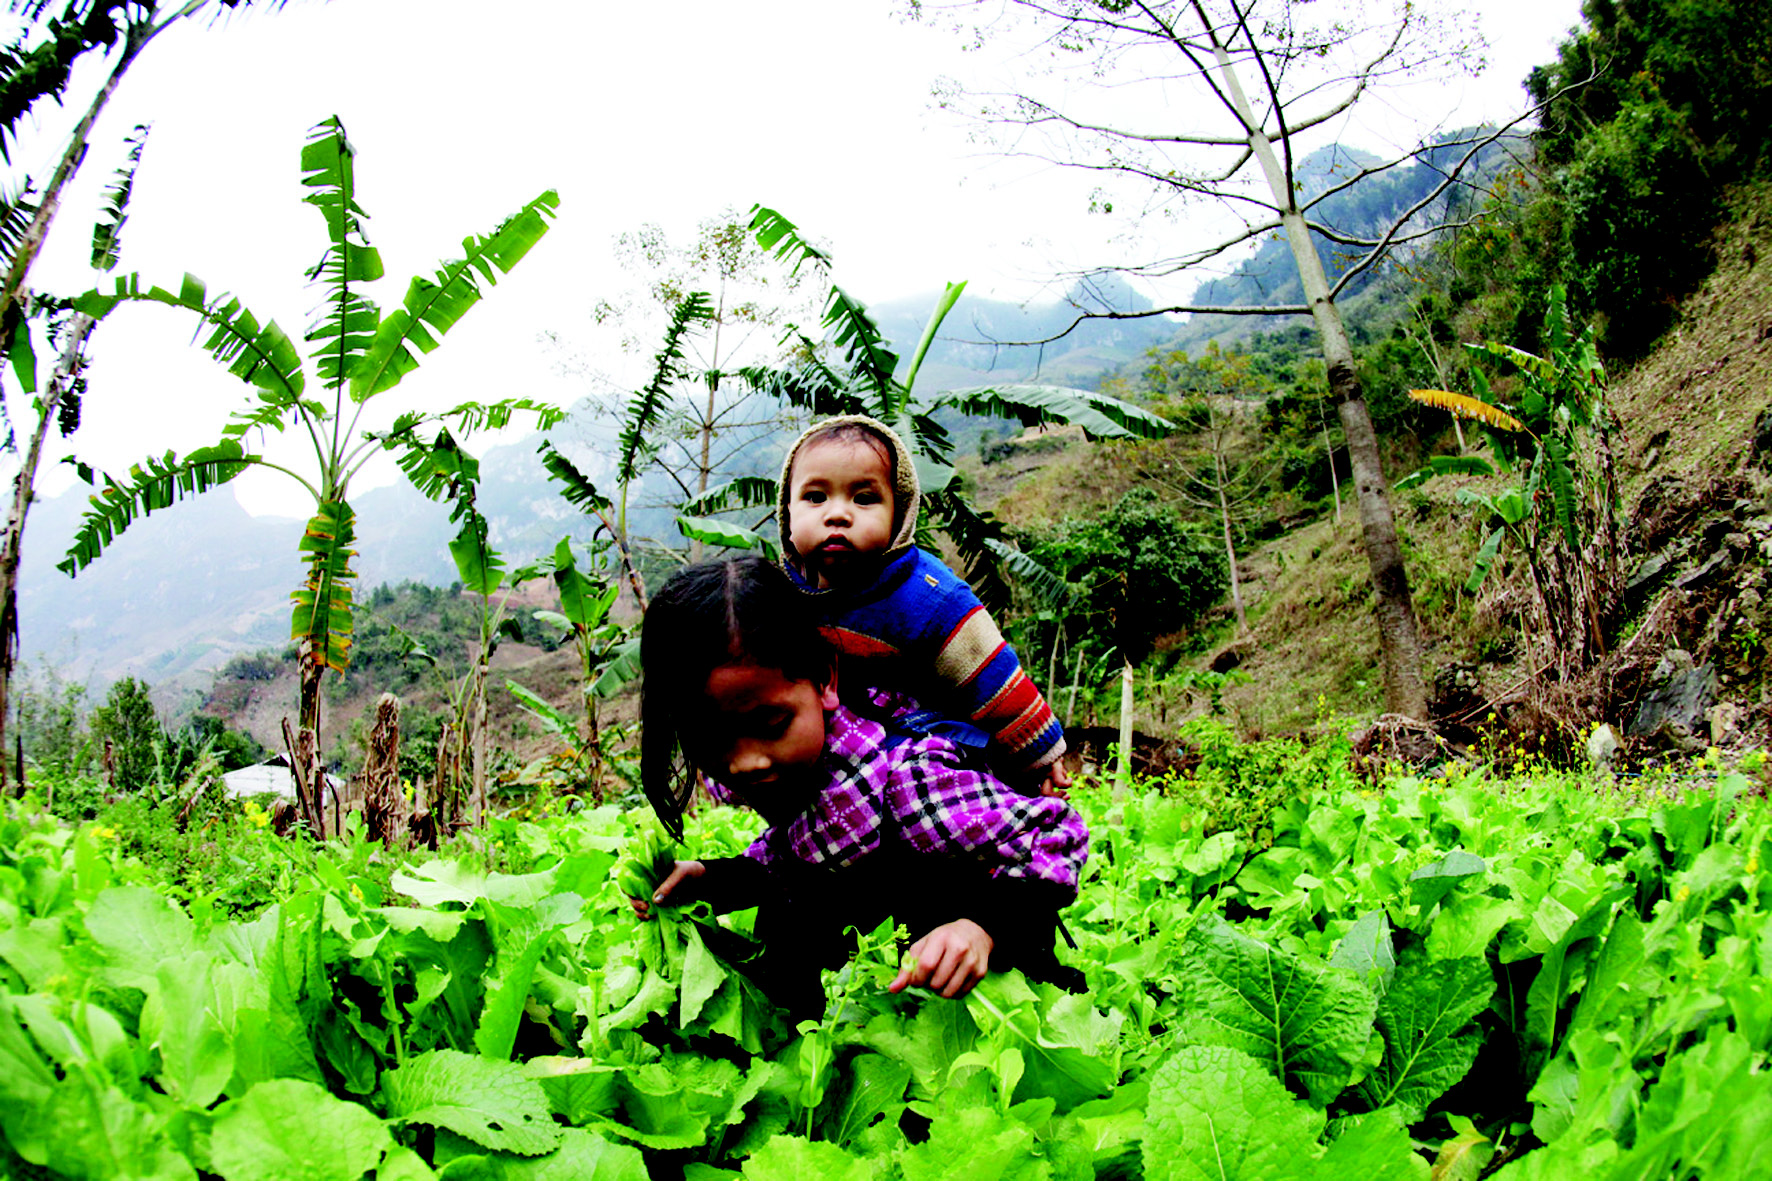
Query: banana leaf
x: 712, y: 531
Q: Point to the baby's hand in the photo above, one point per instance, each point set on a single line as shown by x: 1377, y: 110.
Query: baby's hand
x: 1057, y: 779
x: 949, y: 960
x: 682, y: 872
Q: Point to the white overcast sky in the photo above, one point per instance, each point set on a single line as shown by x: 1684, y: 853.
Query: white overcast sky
x: 635, y: 112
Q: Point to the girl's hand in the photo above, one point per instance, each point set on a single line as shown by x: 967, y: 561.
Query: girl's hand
x: 949, y: 960
x: 1057, y: 779
x: 683, y: 871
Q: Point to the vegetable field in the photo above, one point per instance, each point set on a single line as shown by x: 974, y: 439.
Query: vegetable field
x: 1450, y: 978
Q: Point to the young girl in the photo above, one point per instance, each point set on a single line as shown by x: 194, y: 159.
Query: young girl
x: 866, y: 820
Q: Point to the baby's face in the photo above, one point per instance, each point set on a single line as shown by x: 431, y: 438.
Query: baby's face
x: 840, y: 509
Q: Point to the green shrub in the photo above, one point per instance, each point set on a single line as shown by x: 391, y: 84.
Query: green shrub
x: 1237, y: 786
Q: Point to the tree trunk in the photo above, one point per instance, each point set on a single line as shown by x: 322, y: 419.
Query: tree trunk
x: 477, y: 804
x: 1070, y: 709
x: 31, y: 241
x: 311, y: 670
x: 309, y: 774
x: 1230, y: 548
x: 1404, y: 691
x: 67, y: 370
x: 707, y: 421
x: 1329, y: 454
x: 1123, y: 780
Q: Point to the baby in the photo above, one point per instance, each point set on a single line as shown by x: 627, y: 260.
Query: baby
x: 849, y: 501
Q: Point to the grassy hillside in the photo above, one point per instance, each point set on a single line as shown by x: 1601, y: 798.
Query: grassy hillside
x: 1694, y: 445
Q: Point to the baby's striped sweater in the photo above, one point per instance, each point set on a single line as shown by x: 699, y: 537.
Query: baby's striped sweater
x: 920, y: 624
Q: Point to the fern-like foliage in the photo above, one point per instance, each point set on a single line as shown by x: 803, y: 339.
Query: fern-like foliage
x: 262, y: 356
x: 743, y: 492
x: 777, y: 234
x: 1100, y: 416
x: 576, y: 488
x: 1040, y: 580
x: 107, y: 231
x: 432, y: 306
x: 975, y: 536
x: 30, y: 73
x: 949, y: 297
x: 152, y: 485
x: 468, y: 418
x: 440, y: 470
x: 725, y: 534
x: 481, y: 567
x: 1559, y: 477
x: 1447, y: 465
x: 850, y: 327
x: 16, y: 211
x: 348, y: 321
x: 650, y: 402
x: 322, y: 614
x: 813, y: 386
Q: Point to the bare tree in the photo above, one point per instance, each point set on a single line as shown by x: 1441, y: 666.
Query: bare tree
x: 709, y: 426
x: 1157, y: 67
x: 1219, y: 473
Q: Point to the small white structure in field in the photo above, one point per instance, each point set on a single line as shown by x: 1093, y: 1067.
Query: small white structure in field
x: 272, y: 775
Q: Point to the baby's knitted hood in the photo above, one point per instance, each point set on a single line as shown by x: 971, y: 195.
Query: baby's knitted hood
x: 906, y: 495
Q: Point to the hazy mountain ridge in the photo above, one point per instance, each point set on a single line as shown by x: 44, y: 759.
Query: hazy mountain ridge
x: 189, y: 587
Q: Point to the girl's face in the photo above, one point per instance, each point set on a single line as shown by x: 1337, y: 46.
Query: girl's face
x: 766, y: 730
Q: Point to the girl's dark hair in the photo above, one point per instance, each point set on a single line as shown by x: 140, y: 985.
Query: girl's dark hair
x: 722, y: 612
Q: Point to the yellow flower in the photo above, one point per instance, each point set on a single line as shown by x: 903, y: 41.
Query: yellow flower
x: 1682, y: 894
x: 356, y: 891
x: 103, y: 832
x: 1753, y: 863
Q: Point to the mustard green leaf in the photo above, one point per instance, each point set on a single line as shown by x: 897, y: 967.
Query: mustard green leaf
x: 703, y: 973
x: 789, y: 1158
x: 1305, y: 1020
x: 437, y: 882
x: 1437, y: 878
x: 1465, y: 1155
x: 583, y: 1155
x: 1467, y: 925
x: 1374, y: 1147
x: 1425, y: 1020
x: 875, y: 1087
x: 196, y: 1054
x: 92, y: 1129
x: 1052, y: 1066
x: 1366, y: 951
x: 289, y: 1130
x: 491, y: 1103
x: 137, y: 928
x: 1218, y: 1114
x: 973, y: 1142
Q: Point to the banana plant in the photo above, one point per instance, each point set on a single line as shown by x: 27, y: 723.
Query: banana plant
x: 608, y: 658
x: 1556, y: 431
x: 357, y: 354
x: 866, y: 382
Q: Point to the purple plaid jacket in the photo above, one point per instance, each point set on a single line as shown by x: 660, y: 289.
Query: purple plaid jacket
x: 922, y: 789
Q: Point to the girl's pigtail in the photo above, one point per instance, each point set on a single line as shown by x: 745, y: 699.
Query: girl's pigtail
x: 665, y: 775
